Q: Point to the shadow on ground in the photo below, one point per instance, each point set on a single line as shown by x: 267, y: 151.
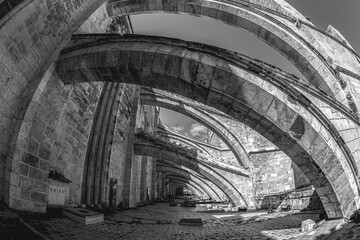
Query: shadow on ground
x: 161, y: 222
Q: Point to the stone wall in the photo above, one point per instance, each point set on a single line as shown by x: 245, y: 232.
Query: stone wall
x: 239, y: 183
x: 120, y: 138
x: 100, y: 22
x: 142, y: 166
x: 306, y: 198
x: 53, y: 137
x: 215, y: 149
x: 225, y: 155
x: 242, y: 184
x: 32, y: 34
x: 56, y: 127
x: 274, y: 173
x: 31, y: 39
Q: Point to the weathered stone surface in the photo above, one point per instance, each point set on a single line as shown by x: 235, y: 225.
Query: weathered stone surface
x: 38, y: 197
x: 307, y: 225
x: 237, y: 196
x: 191, y: 221
x: 297, y: 130
x: 45, y: 125
x: 253, y: 118
x: 31, y: 160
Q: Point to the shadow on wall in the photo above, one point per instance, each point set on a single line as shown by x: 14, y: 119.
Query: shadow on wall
x: 300, y: 180
x: 302, y: 199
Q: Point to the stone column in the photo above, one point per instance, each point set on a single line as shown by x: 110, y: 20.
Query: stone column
x: 124, y: 189
x: 95, y: 178
x: 153, y: 190
x: 143, y: 185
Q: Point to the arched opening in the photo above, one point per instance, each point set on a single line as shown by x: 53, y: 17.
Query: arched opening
x: 281, y: 35
x: 46, y: 126
x: 244, y: 95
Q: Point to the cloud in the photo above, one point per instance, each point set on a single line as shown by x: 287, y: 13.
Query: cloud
x: 199, y: 132
x: 177, y: 128
x: 197, y: 129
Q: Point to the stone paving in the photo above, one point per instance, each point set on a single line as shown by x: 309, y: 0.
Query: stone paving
x: 11, y: 227
x: 160, y: 221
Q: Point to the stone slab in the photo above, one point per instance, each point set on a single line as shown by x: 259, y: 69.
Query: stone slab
x: 191, y: 221
x: 83, y: 215
x: 307, y: 225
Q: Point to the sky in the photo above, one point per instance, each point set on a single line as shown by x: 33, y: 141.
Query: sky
x: 344, y: 15
x: 184, y: 125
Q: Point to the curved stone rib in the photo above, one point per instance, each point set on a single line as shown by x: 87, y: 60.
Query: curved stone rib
x: 163, y: 133
x: 187, y: 174
x: 297, y: 18
x: 205, y: 119
x: 197, y: 159
x: 254, y: 67
x: 201, y: 190
x: 272, y: 31
x: 194, y: 173
x: 155, y: 151
x: 181, y: 178
x: 175, y: 182
x: 227, y: 82
x: 281, y: 78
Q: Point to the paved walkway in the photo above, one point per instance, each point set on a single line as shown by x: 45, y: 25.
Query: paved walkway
x: 160, y: 221
x: 11, y: 226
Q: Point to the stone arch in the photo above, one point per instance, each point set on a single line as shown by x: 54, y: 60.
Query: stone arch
x: 282, y: 35
x: 175, y: 182
x: 211, y: 192
x: 201, y: 168
x: 77, y: 16
x: 217, y: 127
x: 229, y: 167
x: 165, y: 133
x: 183, y: 179
x: 211, y: 185
x: 232, y: 84
x: 167, y: 144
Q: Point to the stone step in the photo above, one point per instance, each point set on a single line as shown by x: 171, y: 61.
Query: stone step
x: 191, y: 221
x: 84, y: 215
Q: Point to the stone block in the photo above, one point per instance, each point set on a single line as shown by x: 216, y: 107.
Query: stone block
x: 44, y: 165
x: 307, y: 225
x: 31, y: 160
x: 35, y: 174
x: 25, y: 193
x: 191, y: 221
x: 44, y: 153
x: 37, y: 130
x: 24, y: 169
x: 38, y: 197
x: 33, y: 146
x: 83, y: 215
x: 39, y: 187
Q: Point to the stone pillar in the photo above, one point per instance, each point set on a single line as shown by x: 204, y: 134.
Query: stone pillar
x: 153, y: 190
x: 95, y: 178
x: 124, y: 189
x: 143, y: 185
